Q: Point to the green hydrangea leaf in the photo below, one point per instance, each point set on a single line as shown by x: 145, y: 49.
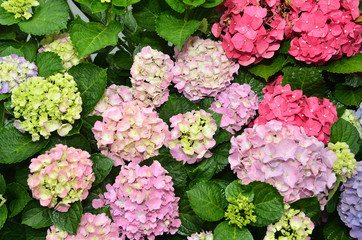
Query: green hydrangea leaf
x: 97, y: 6
x: 34, y: 234
x: 348, y: 95
x: 227, y: 231
x: 4, y: 96
x: 211, y: 3
x: 90, y: 37
x: 175, y: 30
x: 194, y: 3
x: 2, y: 113
x: 2, y: 184
x: 12, y: 230
x: 220, y: 156
x: 68, y: 221
x: 123, y: 60
x: 175, y: 105
x: 36, y: 216
x: 256, y: 84
x: 335, y: 229
x: 235, y: 188
x: 3, y: 215
x: 310, y: 206
x: 8, y: 32
x: 76, y: 141
x: 345, y: 65
x: 202, y: 171
x: 176, y: 5
x: 91, y: 82
x: 353, y: 80
x: 268, y: 68
x: 190, y: 222
x: 269, y: 205
x: 48, y: 63
x: 11, y: 50
x: 146, y: 12
x: 343, y: 131
x: 17, y: 197
x: 7, y: 18
x: 102, y: 166
x: 24, y: 49
x: 77, y: 125
x: 86, y: 130
x: 15, y: 146
x: 207, y: 201
x: 50, y: 16
x: 106, y: 210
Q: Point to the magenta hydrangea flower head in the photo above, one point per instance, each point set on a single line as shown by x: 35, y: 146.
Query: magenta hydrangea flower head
x: 14, y: 70
x: 350, y: 205
x: 237, y: 104
x: 250, y: 30
x: 280, y: 103
x: 61, y: 44
x: 284, y: 156
x: 151, y: 76
x: 130, y: 131
x: 201, y: 236
x: 61, y: 176
x: 191, y: 136
x: 202, y: 69
x: 90, y: 227
x: 142, y: 202
x: 112, y: 97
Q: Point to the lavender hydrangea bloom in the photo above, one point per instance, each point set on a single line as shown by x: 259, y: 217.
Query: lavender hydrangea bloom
x: 350, y: 206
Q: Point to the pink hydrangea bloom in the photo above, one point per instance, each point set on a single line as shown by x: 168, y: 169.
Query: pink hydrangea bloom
x: 293, y: 108
x: 237, y: 104
x: 202, y: 69
x: 60, y: 177
x: 284, y: 156
x: 90, y: 227
x: 250, y: 30
x: 151, y: 76
x: 192, y: 136
x: 130, y: 131
x: 142, y: 202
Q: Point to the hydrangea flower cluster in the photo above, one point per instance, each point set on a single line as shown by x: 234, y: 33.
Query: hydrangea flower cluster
x: 90, y: 227
x: 297, y: 165
x: 60, y: 177
x: 237, y: 104
x: 46, y: 105
x: 324, y: 30
x: 345, y: 165
x: 351, y: 117
x: 112, y: 97
x: 142, y: 202
x: 151, y: 76
x: 349, y: 208
x: 293, y: 108
x: 201, y: 236
x: 250, y: 30
x: 14, y: 70
x: 292, y: 225
x: 202, y: 69
x: 19, y: 8
x: 191, y: 136
x: 130, y: 131
x: 61, y: 44
x: 240, y: 211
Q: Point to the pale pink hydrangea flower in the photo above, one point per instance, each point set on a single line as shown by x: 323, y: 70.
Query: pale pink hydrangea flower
x: 151, y: 76
x: 130, y: 131
x: 202, y: 69
x: 60, y: 177
x: 237, y: 104
x: 142, y: 202
x: 284, y: 156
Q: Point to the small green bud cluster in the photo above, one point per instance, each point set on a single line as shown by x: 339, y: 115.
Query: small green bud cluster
x: 240, y: 211
x: 19, y: 7
x: 345, y: 165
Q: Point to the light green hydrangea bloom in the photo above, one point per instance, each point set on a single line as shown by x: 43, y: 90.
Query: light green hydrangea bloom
x: 349, y: 115
x: 105, y: 1
x: 46, y: 105
x: 19, y: 7
x: 240, y: 211
x: 345, y: 165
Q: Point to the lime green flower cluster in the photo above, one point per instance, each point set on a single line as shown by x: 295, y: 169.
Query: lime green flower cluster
x: 240, y: 211
x: 345, y: 165
x: 350, y: 116
x: 106, y: 1
x: 293, y: 225
x: 19, y: 7
x: 46, y: 105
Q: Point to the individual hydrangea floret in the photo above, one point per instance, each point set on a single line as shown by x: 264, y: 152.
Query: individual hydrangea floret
x: 202, y: 69
x: 345, y: 166
x: 280, y: 103
x: 201, y: 236
x: 292, y: 225
x: 90, y: 227
x: 297, y: 165
x: 46, y: 105
x: 112, y: 97
x: 19, y: 8
x: 14, y: 70
x: 151, y: 76
x: 240, y: 211
x: 142, y: 202
x: 130, y: 131
x: 61, y: 176
x: 237, y: 104
x: 351, y: 117
x: 61, y: 44
x: 349, y: 208
x: 191, y: 136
